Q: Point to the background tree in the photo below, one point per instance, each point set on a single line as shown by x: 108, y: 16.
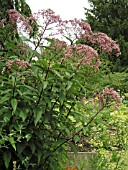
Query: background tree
x: 9, y: 34
x: 20, y: 5
x: 110, y: 17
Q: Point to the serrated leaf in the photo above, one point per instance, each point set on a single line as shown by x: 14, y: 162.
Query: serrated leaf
x: 7, y: 158
x: 58, y: 142
x: 19, y: 92
x: 57, y: 74
x: 76, y: 138
x: 14, y: 103
x: 6, y: 91
x: 44, y: 63
x: 28, y: 137
x: 39, y: 154
x: 4, y: 99
x: 45, y: 83
x: 49, y: 40
x: 84, y: 119
x: 37, y: 115
x: 20, y: 148
x: 74, y: 149
x: 30, y: 88
x: 69, y: 85
x: 33, y: 147
x: 72, y: 118
x: 23, y: 115
x: 12, y: 141
x: 61, y: 97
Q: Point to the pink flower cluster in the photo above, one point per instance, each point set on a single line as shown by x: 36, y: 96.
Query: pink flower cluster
x: 2, y: 22
x: 85, y: 26
x: 23, y: 48
x: 9, y: 63
x: 74, y: 28
x: 84, y: 54
x: 49, y: 23
x: 48, y: 16
x: 59, y: 44
x: 15, y: 17
x: 21, y: 64
x: 105, y: 43
x: 82, y: 50
x: 110, y: 94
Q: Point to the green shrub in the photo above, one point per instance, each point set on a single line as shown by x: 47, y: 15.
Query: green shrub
x: 40, y: 90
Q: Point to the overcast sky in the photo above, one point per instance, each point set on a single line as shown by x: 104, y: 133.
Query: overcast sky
x: 67, y: 9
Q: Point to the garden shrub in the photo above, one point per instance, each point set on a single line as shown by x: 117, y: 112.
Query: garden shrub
x: 42, y: 81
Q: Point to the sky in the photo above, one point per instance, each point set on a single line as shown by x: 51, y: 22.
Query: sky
x: 67, y: 9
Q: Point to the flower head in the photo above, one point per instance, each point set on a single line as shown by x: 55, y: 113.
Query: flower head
x: 109, y: 94
x: 84, y: 54
x: 15, y: 17
x: 105, y: 43
x: 20, y: 64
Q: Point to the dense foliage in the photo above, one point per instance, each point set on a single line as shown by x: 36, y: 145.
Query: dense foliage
x: 24, y: 9
x: 19, y: 5
x: 106, y: 137
x: 43, y: 83
x: 110, y: 17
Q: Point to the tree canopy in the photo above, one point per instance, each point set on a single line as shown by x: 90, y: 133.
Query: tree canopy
x: 110, y: 17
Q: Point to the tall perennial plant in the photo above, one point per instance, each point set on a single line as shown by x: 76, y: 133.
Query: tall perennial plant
x: 41, y: 86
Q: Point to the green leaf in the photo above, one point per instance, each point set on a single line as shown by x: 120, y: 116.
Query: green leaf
x: 19, y: 92
x: 45, y: 83
x: 57, y: 74
x: 7, y: 158
x: 28, y: 137
x: 84, y: 118
x: 6, y: 91
x: 69, y: 85
x: 39, y: 154
x: 62, y: 97
x: 49, y: 40
x: 12, y: 141
x: 44, y: 63
x: 1, y: 53
x: 13, y: 57
x: 4, y: 99
x: 14, y: 103
x: 23, y: 114
x: 37, y: 115
x: 74, y: 149
x: 72, y: 118
x: 85, y: 130
x: 76, y: 138
x: 33, y: 147
x: 30, y: 88
x: 20, y: 148
x: 58, y: 142
x: 38, y: 134
x: 69, y: 39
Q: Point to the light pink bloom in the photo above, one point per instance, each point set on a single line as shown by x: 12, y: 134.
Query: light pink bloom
x: 109, y: 94
x: 105, y: 43
x: 21, y: 64
x: 9, y: 63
